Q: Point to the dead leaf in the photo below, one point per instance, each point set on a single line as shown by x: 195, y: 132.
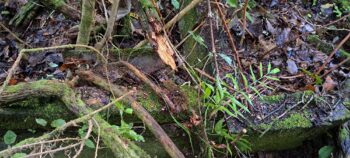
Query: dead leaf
x: 93, y: 101
x: 218, y: 146
x: 195, y: 120
x: 13, y: 82
x: 329, y: 84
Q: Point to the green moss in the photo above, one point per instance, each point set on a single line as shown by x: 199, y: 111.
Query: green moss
x: 319, y: 44
x: 272, y: 99
x: 294, y: 121
x: 283, y: 134
x: 324, y: 46
x: 343, y: 134
x: 194, y: 52
x: 191, y: 94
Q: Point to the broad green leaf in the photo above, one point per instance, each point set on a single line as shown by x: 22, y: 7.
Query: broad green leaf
x: 218, y: 126
x: 175, y: 3
x: 41, y: 121
x: 128, y: 111
x: 197, y: 38
x: 89, y: 143
x: 232, y: 3
x: 227, y: 59
x: 249, y: 17
x: 275, y: 71
x: 207, y: 92
x: 10, y: 137
x: 57, y: 123
x: 325, y: 152
x: 119, y: 106
x: 19, y: 155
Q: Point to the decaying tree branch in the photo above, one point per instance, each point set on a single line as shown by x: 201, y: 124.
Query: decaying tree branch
x: 141, y: 113
x: 110, y: 25
x: 119, y: 146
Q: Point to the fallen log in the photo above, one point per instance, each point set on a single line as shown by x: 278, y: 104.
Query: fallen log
x: 121, y: 147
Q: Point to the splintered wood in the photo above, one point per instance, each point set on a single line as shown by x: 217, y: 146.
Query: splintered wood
x: 161, y: 44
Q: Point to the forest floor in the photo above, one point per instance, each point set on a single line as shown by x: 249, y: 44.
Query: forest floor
x: 301, y: 45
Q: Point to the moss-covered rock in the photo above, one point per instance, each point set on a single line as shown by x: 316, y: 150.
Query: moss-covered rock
x: 298, y: 125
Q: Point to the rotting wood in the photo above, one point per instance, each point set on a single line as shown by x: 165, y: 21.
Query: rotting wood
x: 141, y: 113
x: 121, y: 147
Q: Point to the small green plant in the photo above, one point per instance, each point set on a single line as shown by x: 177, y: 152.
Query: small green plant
x: 10, y: 137
x: 229, y: 139
x: 82, y: 133
x: 57, y: 123
x: 125, y: 129
x: 234, y: 103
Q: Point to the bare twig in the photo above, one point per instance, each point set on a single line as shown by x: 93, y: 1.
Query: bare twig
x: 141, y: 113
x: 333, y: 22
x: 244, y: 26
x: 23, y: 51
x: 333, y: 52
x: 110, y: 26
x: 82, y: 143
x: 335, y: 67
x: 213, y: 47
x: 230, y: 38
x: 63, y: 127
x: 154, y: 87
x: 14, y: 35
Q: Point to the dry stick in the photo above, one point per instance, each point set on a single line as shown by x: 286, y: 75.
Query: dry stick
x: 53, y: 151
x: 110, y: 26
x: 14, y: 35
x: 188, y: 35
x: 21, y: 53
x: 19, y: 148
x: 230, y: 38
x: 175, y: 19
x: 333, y: 52
x: 335, y: 67
x: 333, y: 22
x: 154, y: 87
x: 296, y: 37
x: 213, y: 48
x: 244, y: 25
x: 82, y: 143
x: 140, y: 112
x: 63, y: 127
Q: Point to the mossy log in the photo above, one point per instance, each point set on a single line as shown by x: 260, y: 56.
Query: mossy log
x: 121, y: 147
x: 299, y: 124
